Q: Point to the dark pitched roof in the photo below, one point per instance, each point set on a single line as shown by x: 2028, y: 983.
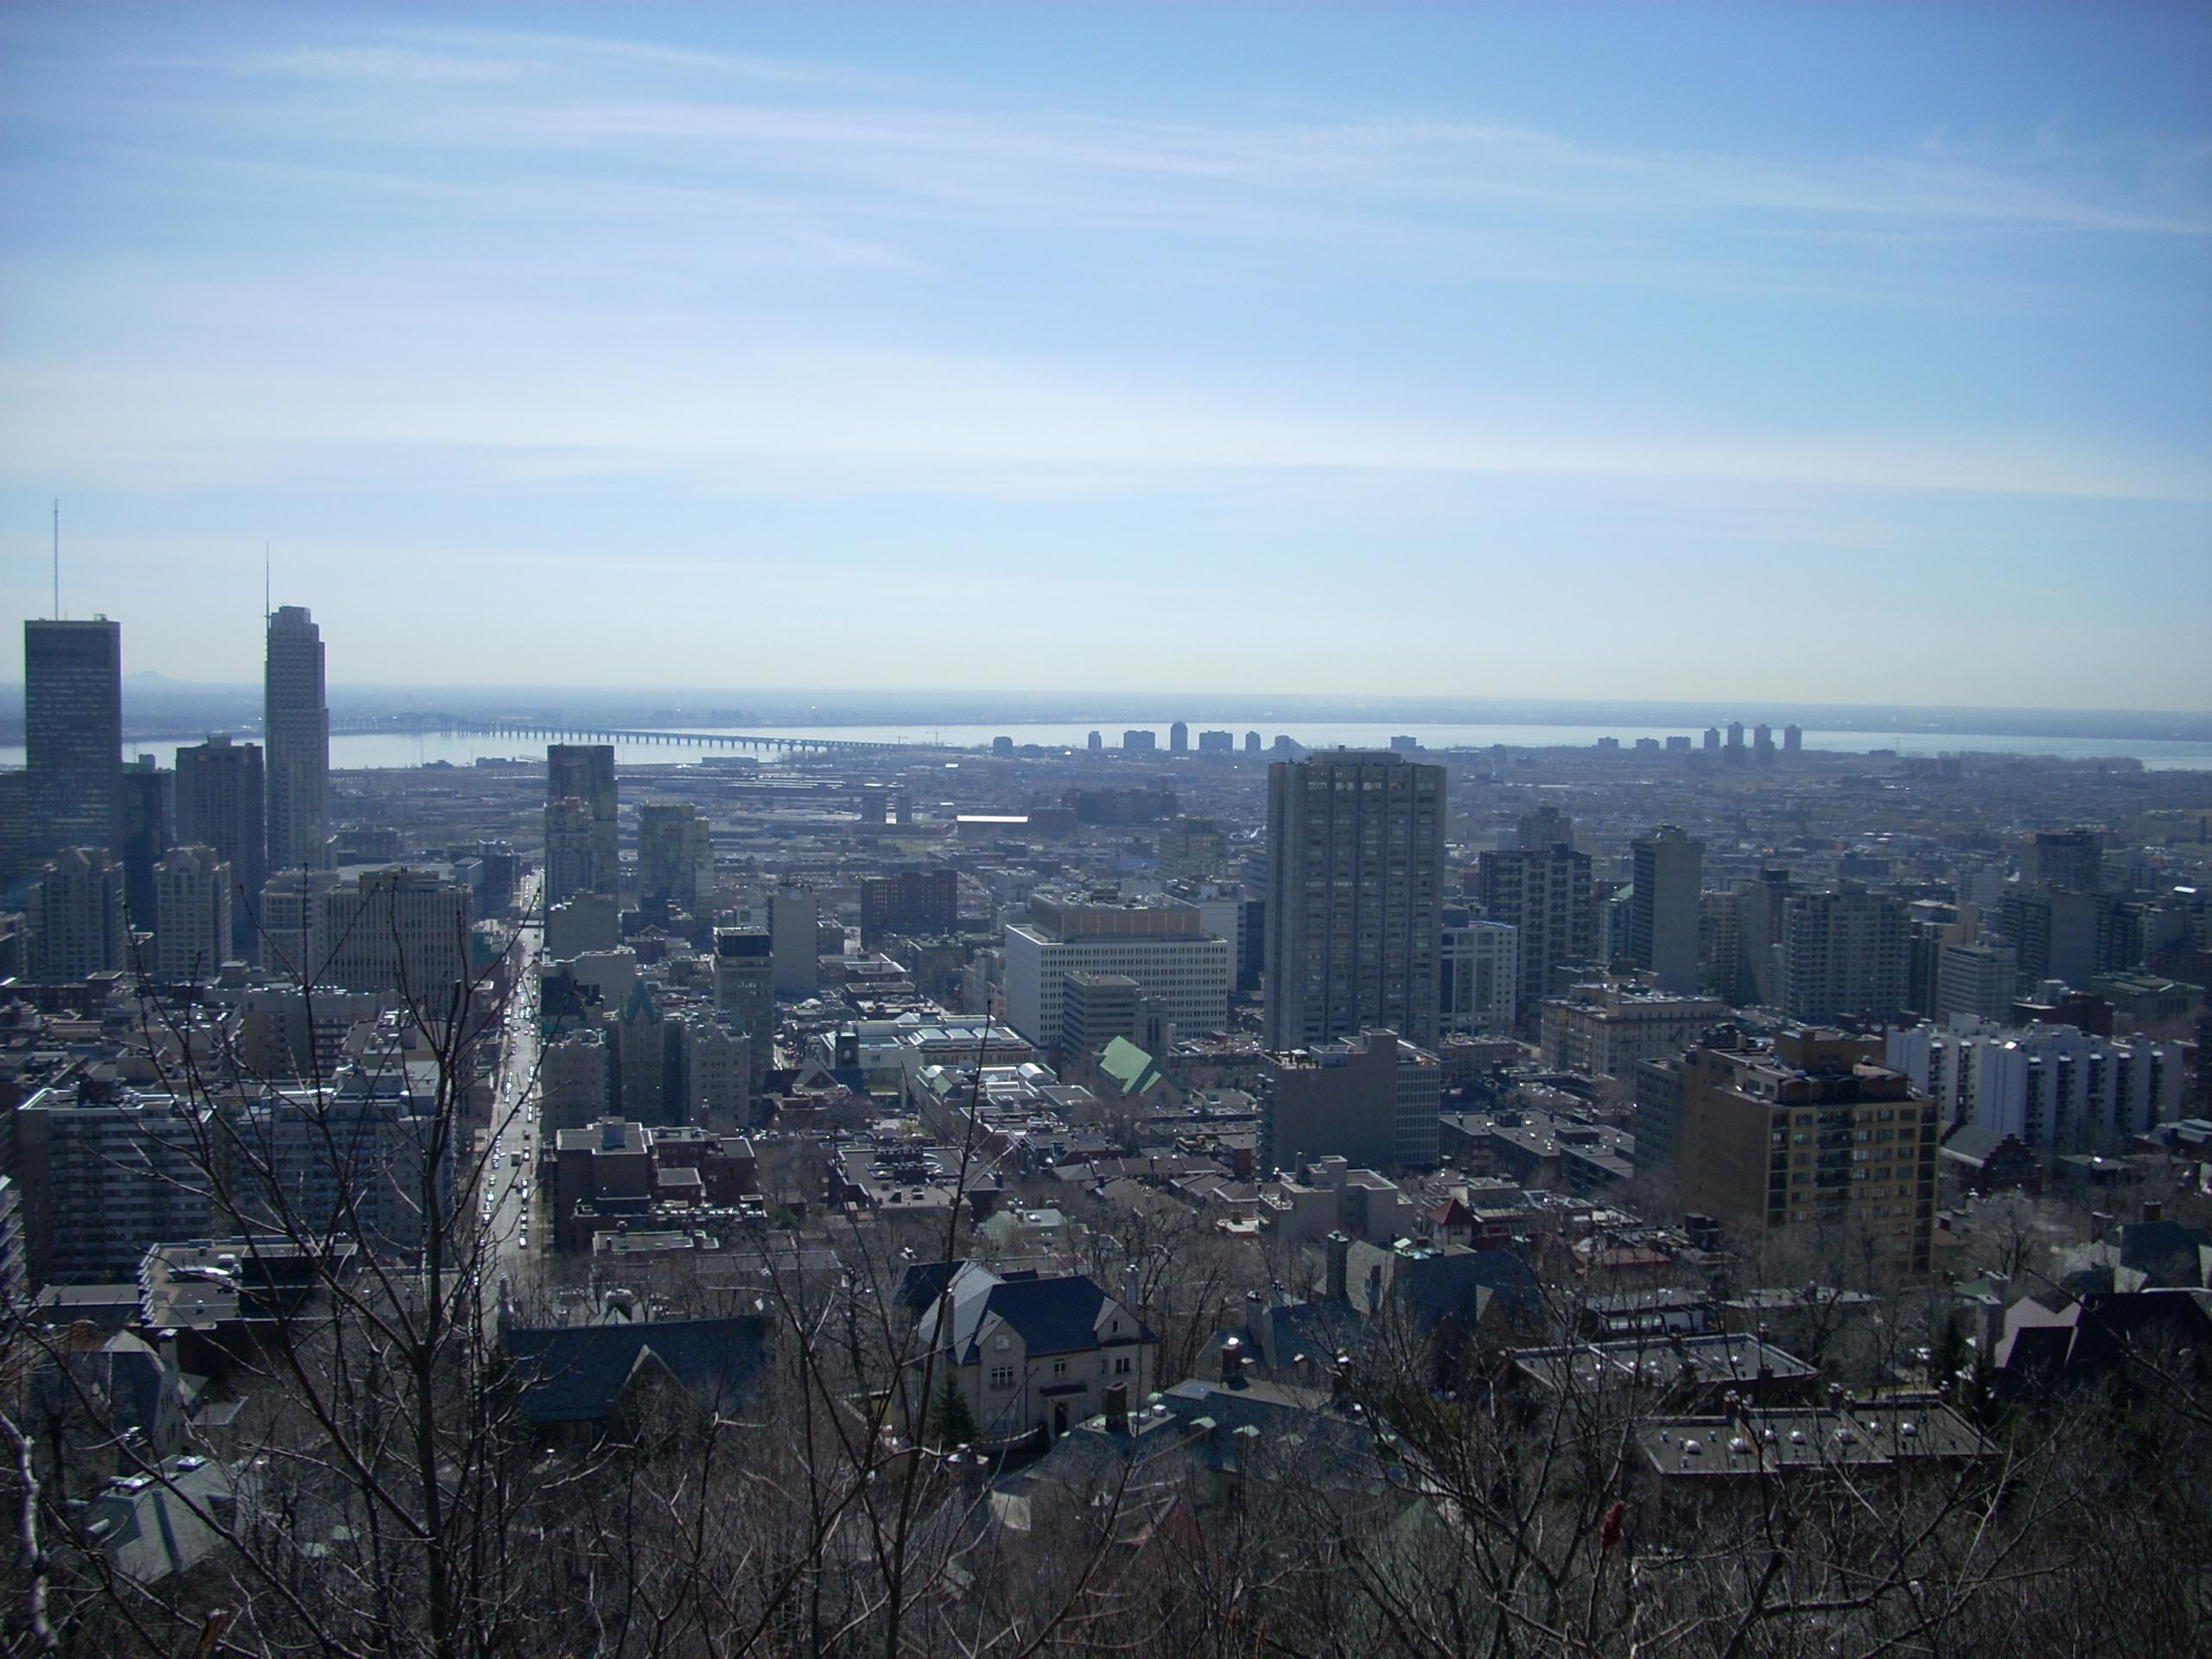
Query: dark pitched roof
x: 577, y: 1373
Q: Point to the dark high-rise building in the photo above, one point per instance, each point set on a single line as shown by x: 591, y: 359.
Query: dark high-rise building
x: 1663, y: 908
x: 2065, y: 858
x: 583, y: 772
x: 72, y: 733
x: 924, y: 902
x: 296, y: 725
x: 221, y: 802
x: 148, y: 830
x: 1547, y: 892
x: 1355, y: 897
x: 1178, y: 738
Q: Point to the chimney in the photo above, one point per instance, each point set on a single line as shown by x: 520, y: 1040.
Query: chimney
x: 1130, y: 1285
x: 2153, y: 1211
x: 1339, y: 1265
x: 1117, y: 1407
x: 1232, y: 1362
x: 1252, y: 1306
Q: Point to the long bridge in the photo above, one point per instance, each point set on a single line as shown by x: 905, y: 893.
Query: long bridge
x: 565, y: 731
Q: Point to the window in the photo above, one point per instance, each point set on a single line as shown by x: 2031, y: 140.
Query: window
x: 1060, y: 1368
x: 1002, y: 1377
x: 1121, y: 1365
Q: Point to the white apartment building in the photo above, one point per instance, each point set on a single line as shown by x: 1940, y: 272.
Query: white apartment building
x: 192, y: 915
x: 2052, y: 1086
x: 1481, y: 976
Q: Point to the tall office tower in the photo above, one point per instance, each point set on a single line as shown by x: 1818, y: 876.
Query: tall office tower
x: 76, y: 916
x: 1547, y: 893
x: 1178, y: 738
x: 570, y: 839
x: 401, y: 930
x: 1816, y: 1138
x: 149, y: 829
x: 2065, y: 858
x: 1251, y: 742
x: 295, y: 727
x: 1845, y: 953
x: 72, y: 733
x: 585, y: 772
x: 14, y: 823
x: 1763, y: 744
x: 675, y: 856
x: 1355, y: 897
x: 1792, y: 741
x: 745, y: 988
x: 710, y: 1069
x: 219, y: 804
x: 192, y: 915
x: 1096, y: 742
x: 1760, y: 904
x: 1663, y: 915
x: 290, y: 911
x: 795, y: 941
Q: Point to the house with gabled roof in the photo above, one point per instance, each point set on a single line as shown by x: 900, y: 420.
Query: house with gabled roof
x: 1035, y: 1354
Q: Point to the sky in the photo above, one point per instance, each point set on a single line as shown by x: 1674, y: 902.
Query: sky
x: 1850, y: 353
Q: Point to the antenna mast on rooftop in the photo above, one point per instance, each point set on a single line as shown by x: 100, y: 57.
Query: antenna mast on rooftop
x: 57, y: 558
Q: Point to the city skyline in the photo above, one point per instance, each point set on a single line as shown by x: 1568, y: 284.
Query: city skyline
x: 944, y: 322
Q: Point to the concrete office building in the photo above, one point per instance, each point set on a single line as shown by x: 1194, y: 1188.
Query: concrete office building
x: 1546, y: 896
x: 1164, y: 947
x: 1844, y: 955
x: 291, y: 907
x: 221, y: 803
x: 1370, y: 1099
x: 1094, y: 1009
x: 1812, y: 1139
x: 147, y: 831
x: 2052, y: 1087
x: 1663, y: 912
x: 1602, y: 1031
x: 192, y: 915
x: 401, y: 930
x: 1354, y: 898
x: 585, y: 921
x: 571, y: 853
x: 2065, y: 858
x: 745, y: 988
x: 583, y: 772
x: 295, y: 727
x: 73, y: 735
x: 1481, y: 975
x: 1975, y: 977
x: 795, y: 941
x: 921, y: 902
x: 365, y: 1159
x: 575, y: 1073
x: 675, y: 856
x: 76, y: 918
x: 711, y: 1071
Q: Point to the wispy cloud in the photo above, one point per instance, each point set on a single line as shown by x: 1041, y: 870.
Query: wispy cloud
x: 380, y: 63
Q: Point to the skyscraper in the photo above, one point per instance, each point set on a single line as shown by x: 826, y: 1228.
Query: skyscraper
x: 295, y: 725
x: 584, y: 773
x: 1178, y: 738
x: 1355, y: 897
x: 1547, y: 893
x: 220, y: 800
x: 675, y: 856
x: 72, y: 733
x: 1663, y: 916
x: 147, y: 830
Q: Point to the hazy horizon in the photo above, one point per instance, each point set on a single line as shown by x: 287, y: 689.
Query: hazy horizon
x: 1715, y: 354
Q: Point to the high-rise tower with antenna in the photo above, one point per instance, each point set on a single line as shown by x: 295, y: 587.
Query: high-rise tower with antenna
x: 296, y: 728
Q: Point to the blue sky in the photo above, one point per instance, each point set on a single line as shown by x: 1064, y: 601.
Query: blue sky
x: 1854, y: 353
